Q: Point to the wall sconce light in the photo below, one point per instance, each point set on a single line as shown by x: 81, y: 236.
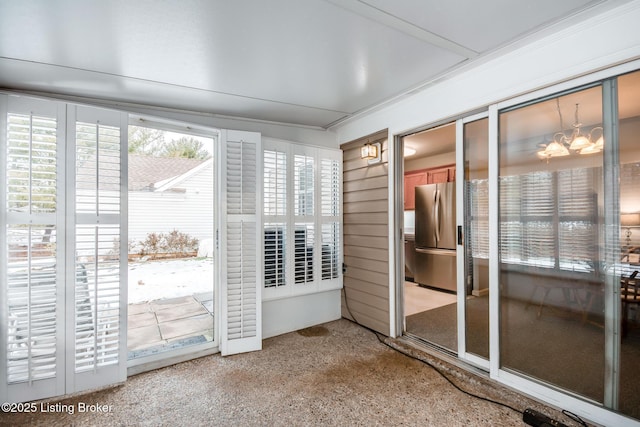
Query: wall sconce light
x: 408, y: 151
x: 371, y: 152
x: 628, y: 220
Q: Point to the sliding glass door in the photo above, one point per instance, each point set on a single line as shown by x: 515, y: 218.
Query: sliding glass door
x: 628, y: 396
x: 551, y: 190
x: 569, y: 212
x: 475, y: 281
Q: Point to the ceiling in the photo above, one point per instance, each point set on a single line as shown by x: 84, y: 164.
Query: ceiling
x: 312, y: 62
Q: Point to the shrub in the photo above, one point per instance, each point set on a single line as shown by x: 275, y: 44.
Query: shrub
x: 174, y: 242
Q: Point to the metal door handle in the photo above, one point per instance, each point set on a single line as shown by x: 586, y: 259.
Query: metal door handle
x: 437, y: 215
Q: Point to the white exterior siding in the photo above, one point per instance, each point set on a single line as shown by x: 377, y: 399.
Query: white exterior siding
x: 188, y: 212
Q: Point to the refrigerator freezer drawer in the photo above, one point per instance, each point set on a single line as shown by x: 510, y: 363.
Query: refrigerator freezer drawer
x: 436, y: 268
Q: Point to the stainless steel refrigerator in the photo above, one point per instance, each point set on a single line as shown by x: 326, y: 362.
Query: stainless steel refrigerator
x: 436, y: 235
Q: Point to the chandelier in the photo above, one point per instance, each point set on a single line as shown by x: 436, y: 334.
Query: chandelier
x: 577, y: 142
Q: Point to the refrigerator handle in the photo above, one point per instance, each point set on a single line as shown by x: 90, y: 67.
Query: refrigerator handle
x: 436, y: 209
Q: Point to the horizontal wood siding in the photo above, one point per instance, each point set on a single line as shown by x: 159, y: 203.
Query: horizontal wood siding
x: 366, y: 231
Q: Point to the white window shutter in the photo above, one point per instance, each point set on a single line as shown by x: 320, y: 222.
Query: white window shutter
x: 331, y: 219
x: 241, y: 243
x: 31, y: 282
x: 96, y: 261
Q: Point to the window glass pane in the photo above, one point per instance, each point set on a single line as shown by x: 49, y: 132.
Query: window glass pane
x: 274, y: 255
x: 629, y: 129
x: 275, y: 183
x: 551, y: 201
x: 31, y: 164
x: 476, y: 149
x: 303, y: 253
x: 304, y: 185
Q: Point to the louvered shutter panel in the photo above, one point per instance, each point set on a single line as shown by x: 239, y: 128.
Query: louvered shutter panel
x: 32, y: 312
x: 330, y: 219
x: 304, y: 220
x: 275, y: 220
x: 241, y: 296
x: 97, y: 323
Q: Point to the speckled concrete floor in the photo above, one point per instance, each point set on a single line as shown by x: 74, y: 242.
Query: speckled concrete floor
x: 335, y: 374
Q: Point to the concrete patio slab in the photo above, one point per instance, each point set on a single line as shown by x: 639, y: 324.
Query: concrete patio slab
x: 143, y: 337
x: 143, y: 319
x: 180, y: 311
x: 142, y: 307
x: 184, y: 327
x: 159, y: 304
x: 204, y: 296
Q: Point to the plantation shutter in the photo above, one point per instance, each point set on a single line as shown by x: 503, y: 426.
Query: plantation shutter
x: 275, y: 217
x: 241, y: 255
x: 330, y: 218
x: 96, y: 322
x: 32, y: 284
x: 304, y: 208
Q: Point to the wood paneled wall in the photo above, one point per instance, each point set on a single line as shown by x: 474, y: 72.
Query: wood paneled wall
x: 366, y: 235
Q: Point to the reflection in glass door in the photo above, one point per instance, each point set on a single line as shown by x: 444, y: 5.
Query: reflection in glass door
x: 476, y: 244
x: 551, y: 213
x: 629, y: 312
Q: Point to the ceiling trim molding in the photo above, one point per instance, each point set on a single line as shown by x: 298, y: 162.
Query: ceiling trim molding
x: 373, y: 13
x: 133, y: 108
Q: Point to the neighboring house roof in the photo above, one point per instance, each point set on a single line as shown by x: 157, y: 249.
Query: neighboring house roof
x: 147, y: 173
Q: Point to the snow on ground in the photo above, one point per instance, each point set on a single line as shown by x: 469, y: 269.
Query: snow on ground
x: 152, y: 280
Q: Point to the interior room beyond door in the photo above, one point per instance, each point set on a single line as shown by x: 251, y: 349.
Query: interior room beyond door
x: 430, y: 306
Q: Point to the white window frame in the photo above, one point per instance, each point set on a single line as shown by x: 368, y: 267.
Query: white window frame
x: 290, y: 289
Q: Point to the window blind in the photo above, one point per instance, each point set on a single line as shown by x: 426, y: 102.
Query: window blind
x: 550, y: 219
x: 578, y: 219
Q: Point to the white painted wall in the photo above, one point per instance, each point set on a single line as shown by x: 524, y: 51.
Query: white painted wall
x: 291, y: 314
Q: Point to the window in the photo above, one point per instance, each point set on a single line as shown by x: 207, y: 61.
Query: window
x: 61, y: 261
x: 302, y: 226
x: 538, y: 207
x: 275, y: 217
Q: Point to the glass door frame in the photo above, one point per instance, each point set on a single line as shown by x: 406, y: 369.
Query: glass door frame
x: 538, y: 390
x: 171, y: 357
x: 461, y: 222
x: 581, y: 406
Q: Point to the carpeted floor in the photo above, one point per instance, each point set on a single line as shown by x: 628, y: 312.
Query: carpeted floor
x: 561, y: 350
x: 334, y: 374
x: 439, y: 326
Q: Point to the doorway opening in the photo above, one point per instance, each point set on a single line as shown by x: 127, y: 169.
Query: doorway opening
x: 430, y: 301
x: 171, y: 240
